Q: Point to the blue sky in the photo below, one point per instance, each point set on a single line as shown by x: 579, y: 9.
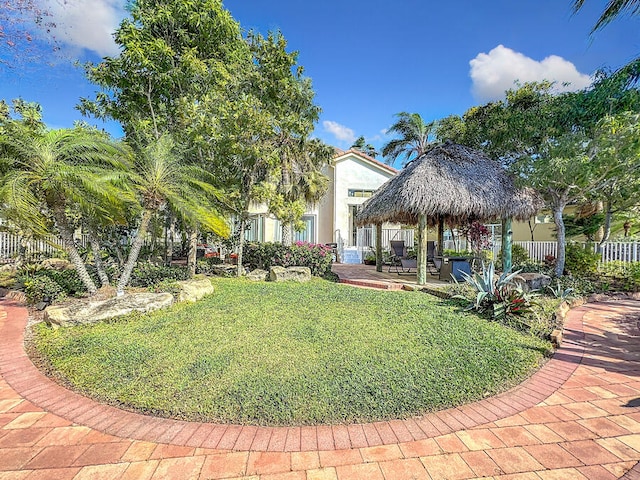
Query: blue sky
x: 369, y: 59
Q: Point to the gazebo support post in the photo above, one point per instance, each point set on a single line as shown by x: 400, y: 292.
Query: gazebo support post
x: 422, y: 249
x: 378, y: 247
x: 507, y: 238
x: 440, y: 235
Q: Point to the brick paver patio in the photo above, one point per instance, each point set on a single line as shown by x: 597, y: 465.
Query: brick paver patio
x: 578, y: 417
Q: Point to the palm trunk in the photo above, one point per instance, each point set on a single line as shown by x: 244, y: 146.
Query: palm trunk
x: 171, y: 233
x: 286, y: 234
x: 97, y: 258
x: 138, y: 241
x: 193, y: 251
x: 70, y: 247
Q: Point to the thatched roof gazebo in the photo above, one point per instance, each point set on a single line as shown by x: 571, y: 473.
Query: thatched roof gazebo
x: 450, y: 183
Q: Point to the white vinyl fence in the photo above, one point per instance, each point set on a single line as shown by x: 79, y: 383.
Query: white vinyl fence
x: 366, y: 237
x: 10, y: 246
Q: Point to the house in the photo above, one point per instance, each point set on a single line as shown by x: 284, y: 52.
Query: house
x: 353, y: 177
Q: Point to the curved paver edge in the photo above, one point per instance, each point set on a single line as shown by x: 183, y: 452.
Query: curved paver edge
x: 24, y: 377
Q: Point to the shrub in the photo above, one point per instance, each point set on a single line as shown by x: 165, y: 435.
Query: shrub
x: 42, y: 288
x: 266, y: 255
x: 497, y: 296
x: 581, y: 260
x: 519, y: 255
x: 146, y: 274
x: 165, y: 286
x: 69, y: 280
x: 205, y: 265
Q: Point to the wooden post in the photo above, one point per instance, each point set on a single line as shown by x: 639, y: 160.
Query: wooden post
x: 440, y: 235
x: 507, y: 238
x: 378, y: 247
x: 422, y: 249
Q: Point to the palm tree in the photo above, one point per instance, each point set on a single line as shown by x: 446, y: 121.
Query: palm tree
x: 366, y: 148
x: 415, y: 137
x: 613, y: 9
x: 52, y: 172
x: 301, y: 181
x: 163, y: 182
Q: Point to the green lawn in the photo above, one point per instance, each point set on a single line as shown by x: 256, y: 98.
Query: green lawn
x: 287, y: 354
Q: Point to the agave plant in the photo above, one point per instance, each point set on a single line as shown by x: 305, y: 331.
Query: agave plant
x: 499, y: 296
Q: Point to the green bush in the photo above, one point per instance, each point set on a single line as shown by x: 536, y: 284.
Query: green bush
x: 266, y: 255
x: 581, y: 260
x: 519, y: 255
x: 69, y: 280
x: 165, y: 286
x: 146, y: 274
x: 205, y: 265
x: 41, y: 288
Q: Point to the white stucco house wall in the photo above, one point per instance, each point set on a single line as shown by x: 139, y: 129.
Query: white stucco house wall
x: 353, y: 177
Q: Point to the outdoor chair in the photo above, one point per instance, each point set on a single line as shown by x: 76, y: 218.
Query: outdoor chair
x: 432, y: 263
x: 399, y: 258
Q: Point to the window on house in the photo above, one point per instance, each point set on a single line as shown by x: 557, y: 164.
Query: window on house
x: 308, y: 234
x: 360, y: 193
x: 253, y: 230
x: 544, y: 219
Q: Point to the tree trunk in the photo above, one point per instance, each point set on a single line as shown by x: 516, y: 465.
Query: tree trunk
x: 192, y: 257
x: 608, y: 217
x: 171, y: 233
x: 532, y: 229
x: 138, y: 241
x: 558, y: 207
x: 97, y: 259
x: 70, y: 247
x: 286, y: 234
x: 240, y: 269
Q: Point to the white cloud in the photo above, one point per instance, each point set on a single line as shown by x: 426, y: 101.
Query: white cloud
x: 495, y: 72
x: 87, y: 24
x: 341, y: 132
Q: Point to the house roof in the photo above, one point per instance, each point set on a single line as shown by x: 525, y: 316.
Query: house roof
x: 363, y: 156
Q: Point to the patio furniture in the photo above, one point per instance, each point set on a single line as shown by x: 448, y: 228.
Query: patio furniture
x: 399, y: 258
x: 431, y: 261
x: 453, y: 266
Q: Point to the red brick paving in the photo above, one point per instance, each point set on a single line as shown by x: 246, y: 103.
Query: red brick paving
x: 578, y: 417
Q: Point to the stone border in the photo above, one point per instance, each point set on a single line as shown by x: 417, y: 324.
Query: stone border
x: 21, y: 374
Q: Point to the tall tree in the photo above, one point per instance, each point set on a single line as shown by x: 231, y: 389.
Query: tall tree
x: 53, y: 171
x: 366, y: 148
x: 414, y: 134
x: 163, y: 182
x: 288, y: 98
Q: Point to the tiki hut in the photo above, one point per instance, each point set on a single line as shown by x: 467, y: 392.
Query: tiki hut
x: 450, y: 183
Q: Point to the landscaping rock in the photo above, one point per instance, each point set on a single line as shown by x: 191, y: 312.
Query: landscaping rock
x: 258, y: 275
x: 17, y: 296
x: 224, y: 270
x: 9, y: 267
x: 532, y: 281
x: 297, y: 274
x: 57, y: 264
x: 94, y: 312
x: 194, y: 290
x: 3, y: 291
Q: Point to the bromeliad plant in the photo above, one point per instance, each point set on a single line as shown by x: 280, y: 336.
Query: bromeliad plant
x: 498, y: 296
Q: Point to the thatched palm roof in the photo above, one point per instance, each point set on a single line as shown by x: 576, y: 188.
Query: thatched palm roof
x: 450, y: 181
